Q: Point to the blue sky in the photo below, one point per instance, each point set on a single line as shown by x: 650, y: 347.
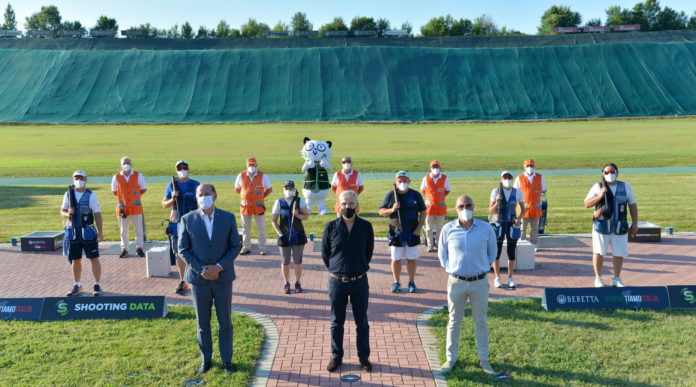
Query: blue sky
x: 522, y: 15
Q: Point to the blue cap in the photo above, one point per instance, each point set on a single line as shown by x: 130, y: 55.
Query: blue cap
x: 402, y: 174
x: 289, y: 183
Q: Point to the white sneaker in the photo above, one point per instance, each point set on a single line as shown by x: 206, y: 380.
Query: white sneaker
x: 497, y: 282
x: 486, y: 367
x: 598, y: 282
x: 447, y: 366
x: 511, y: 283
x: 616, y: 282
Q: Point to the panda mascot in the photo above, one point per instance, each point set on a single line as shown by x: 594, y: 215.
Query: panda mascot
x: 316, y: 179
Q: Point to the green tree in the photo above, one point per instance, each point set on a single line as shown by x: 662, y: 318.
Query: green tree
x: 280, y: 26
x: 646, y: 14
x: 202, y: 33
x: 618, y: 16
x: 47, y: 19
x: 382, y: 25
x: 408, y: 27
x: 337, y: 24
x: 172, y: 33
x: 594, y: 22
x: 509, y: 32
x: 222, y: 30
x: 558, y: 16
x: 461, y: 27
x: 254, y: 29
x: 437, y: 26
x: 363, y: 23
x: 484, y: 26
x: 105, y: 23
x: 10, y: 18
x: 150, y: 31
x: 299, y: 22
x: 235, y: 33
x: 669, y: 19
x: 186, y: 30
x: 692, y: 22
x: 71, y: 26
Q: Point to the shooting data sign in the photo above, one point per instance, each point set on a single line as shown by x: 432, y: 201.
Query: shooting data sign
x: 79, y: 308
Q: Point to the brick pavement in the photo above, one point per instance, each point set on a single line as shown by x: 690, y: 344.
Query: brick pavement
x: 303, y: 319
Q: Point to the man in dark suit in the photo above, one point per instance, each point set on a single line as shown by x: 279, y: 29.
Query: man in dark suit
x: 209, y: 243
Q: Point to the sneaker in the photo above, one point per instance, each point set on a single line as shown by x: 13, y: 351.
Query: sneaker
x: 334, y: 363
x: 431, y: 249
x: 140, y: 252
x: 181, y: 289
x: 124, y: 253
x: 598, y: 282
x: 286, y: 288
x: 395, y: 287
x: 447, y: 366
x: 486, y: 367
x: 616, y: 282
x: 75, y: 291
x: 245, y: 251
x: 262, y: 252
x: 497, y: 282
x: 412, y: 287
x: 365, y: 364
x: 97, y: 290
x: 298, y: 287
x: 511, y: 283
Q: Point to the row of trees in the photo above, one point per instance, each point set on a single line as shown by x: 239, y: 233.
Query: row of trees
x: 649, y: 14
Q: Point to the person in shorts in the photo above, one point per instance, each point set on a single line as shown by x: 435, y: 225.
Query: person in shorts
x: 287, y: 215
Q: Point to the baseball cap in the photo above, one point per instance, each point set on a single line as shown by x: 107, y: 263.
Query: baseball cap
x: 80, y: 172
x: 346, y: 159
x: 402, y: 174
x: 505, y: 172
x: 434, y: 163
x: 289, y: 183
x: 528, y: 162
x: 180, y: 162
x: 251, y: 161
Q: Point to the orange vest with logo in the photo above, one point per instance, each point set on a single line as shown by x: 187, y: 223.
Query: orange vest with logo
x: 128, y: 193
x: 532, y: 195
x: 343, y: 184
x: 252, y: 191
x: 435, y: 193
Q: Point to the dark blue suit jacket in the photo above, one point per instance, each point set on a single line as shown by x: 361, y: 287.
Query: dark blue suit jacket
x: 198, y: 250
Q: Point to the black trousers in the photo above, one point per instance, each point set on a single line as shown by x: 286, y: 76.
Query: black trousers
x: 357, y: 292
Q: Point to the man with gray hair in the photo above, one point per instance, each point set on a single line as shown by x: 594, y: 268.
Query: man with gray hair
x: 129, y: 186
x: 467, y: 248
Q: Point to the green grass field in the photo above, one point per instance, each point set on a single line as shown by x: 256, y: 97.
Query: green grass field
x: 58, y: 150
x: 158, y: 352
x: 661, y: 200
x: 576, y: 348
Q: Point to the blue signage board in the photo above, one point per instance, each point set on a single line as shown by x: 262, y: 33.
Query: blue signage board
x: 20, y: 308
x: 682, y: 296
x: 631, y: 297
x: 125, y: 307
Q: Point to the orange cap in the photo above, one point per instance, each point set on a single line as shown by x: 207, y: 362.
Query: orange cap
x: 528, y: 162
x: 251, y: 161
x: 434, y: 163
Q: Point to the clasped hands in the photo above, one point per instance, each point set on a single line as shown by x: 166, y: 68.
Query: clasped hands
x: 211, y: 272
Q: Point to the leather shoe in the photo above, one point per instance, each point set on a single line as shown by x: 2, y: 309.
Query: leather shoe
x: 366, y: 365
x: 229, y: 368
x: 334, y: 364
x: 203, y: 368
x: 140, y: 252
x: 124, y: 253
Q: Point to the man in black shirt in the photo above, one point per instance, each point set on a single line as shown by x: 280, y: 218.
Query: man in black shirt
x: 347, y: 246
x: 406, y: 211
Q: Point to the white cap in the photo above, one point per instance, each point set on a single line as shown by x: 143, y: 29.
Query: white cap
x: 506, y: 172
x: 80, y: 172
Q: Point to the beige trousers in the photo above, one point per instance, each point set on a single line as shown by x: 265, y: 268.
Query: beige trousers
x: 260, y: 221
x: 458, y: 292
x: 433, y: 226
x: 137, y: 221
x: 534, y: 229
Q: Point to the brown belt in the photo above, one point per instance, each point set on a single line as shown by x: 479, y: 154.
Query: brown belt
x: 346, y: 279
x: 470, y: 279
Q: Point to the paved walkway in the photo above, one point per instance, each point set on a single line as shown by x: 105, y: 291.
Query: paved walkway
x: 303, y: 319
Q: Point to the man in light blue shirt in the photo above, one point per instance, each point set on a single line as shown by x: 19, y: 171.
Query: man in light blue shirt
x: 466, y: 249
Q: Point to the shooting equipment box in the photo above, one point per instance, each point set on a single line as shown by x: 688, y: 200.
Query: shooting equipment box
x: 42, y: 241
x: 647, y: 232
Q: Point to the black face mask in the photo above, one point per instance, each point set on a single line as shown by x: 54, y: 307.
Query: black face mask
x: 348, y: 212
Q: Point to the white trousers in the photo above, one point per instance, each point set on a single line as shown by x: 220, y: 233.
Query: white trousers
x: 260, y: 228
x: 137, y: 221
x: 458, y: 292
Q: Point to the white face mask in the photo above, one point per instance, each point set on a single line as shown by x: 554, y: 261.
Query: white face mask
x: 436, y: 171
x: 347, y: 166
x: 529, y: 170
x: 205, y: 202
x: 251, y: 169
x: 507, y: 183
x: 466, y: 215
x: 79, y: 183
x: 610, y: 178
x: 402, y: 186
x: 126, y: 167
x: 289, y: 193
x: 182, y: 174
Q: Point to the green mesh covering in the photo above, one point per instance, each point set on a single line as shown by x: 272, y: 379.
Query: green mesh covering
x: 348, y: 83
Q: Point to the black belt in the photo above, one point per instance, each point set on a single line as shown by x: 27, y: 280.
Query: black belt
x: 346, y: 279
x: 470, y: 279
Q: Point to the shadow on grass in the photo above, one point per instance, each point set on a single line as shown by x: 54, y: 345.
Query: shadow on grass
x: 25, y: 196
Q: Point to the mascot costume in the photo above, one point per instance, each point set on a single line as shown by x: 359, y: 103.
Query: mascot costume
x: 316, y: 179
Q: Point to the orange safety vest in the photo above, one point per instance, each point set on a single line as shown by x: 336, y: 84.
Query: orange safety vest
x: 532, y: 195
x: 129, y: 193
x: 344, y: 184
x: 435, y: 193
x: 252, y: 193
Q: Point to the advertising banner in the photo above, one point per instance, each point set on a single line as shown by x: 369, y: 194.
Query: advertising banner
x: 79, y: 308
x: 20, y: 308
x: 634, y: 297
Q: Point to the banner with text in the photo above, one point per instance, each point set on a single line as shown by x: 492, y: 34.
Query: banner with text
x: 634, y: 297
x: 79, y: 308
x: 20, y: 308
x: 682, y: 296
